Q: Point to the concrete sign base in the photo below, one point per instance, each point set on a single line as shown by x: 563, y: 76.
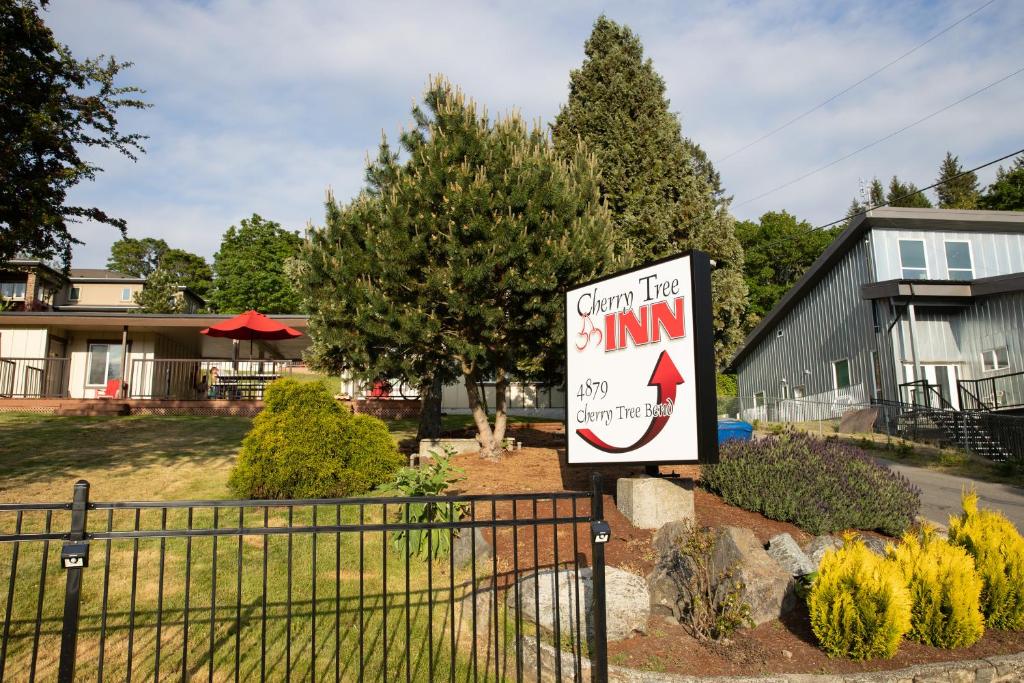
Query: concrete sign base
x: 651, y: 502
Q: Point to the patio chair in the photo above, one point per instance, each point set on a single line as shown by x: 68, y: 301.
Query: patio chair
x: 112, y: 390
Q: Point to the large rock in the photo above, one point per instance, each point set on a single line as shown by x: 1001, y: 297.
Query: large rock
x: 651, y: 502
x: 784, y: 550
x: 767, y: 588
x: 466, y: 543
x: 627, y: 601
x: 816, y: 548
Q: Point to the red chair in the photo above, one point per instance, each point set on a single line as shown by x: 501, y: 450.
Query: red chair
x: 112, y: 390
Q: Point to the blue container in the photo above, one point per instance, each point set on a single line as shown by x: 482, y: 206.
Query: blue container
x: 734, y: 429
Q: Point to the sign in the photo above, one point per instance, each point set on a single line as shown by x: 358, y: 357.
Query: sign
x: 640, y: 367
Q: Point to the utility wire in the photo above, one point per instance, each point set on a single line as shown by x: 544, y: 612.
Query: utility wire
x: 882, y: 139
x: 842, y: 92
x: 911, y: 194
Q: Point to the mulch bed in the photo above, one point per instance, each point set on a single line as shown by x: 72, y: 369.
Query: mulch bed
x: 775, y: 647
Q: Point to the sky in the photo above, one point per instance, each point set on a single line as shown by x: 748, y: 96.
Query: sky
x: 260, y: 107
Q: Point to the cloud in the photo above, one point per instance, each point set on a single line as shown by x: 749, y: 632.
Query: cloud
x: 260, y: 106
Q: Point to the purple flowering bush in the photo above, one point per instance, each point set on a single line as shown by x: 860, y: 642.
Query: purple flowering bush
x: 821, y: 485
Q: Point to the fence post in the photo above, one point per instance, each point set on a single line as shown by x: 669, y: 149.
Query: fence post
x: 599, y: 651
x: 74, y: 557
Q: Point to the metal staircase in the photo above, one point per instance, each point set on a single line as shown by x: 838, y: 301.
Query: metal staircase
x: 995, y: 436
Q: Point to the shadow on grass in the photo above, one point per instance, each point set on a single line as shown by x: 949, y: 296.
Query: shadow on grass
x: 33, y: 445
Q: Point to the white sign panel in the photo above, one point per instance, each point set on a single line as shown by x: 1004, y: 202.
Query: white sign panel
x: 637, y: 382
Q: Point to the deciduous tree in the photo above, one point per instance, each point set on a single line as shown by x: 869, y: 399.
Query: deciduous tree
x: 136, y: 257
x: 249, y: 268
x: 53, y: 109
x: 1007, y: 192
x: 778, y: 249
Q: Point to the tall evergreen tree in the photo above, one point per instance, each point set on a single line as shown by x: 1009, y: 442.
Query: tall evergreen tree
x: 1007, y: 192
x: 160, y: 295
x: 452, y: 261
x: 956, y: 192
x: 906, y: 195
x: 663, y: 192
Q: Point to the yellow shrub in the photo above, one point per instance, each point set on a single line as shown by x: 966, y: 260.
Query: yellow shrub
x: 859, y: 605
x: 945, y: 590
x: 998, y: 552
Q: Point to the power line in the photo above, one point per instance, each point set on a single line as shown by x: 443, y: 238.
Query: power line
x: 911, y: 194
x: 882, y: 139
x: 842, y: 92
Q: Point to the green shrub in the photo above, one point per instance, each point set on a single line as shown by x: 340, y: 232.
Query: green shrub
x: 820, y: 485
x: 304, y: 445
x: 945, y: 590
x: 859, y: 605
x: 432, y: 479
x: 998, y: 552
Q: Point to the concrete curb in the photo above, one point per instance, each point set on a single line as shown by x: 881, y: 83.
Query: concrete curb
x: 999, y: 669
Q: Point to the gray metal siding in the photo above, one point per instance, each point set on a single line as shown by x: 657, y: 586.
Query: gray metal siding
x: 993, y: 322
x: 991, y: 253
x: 830, y: 323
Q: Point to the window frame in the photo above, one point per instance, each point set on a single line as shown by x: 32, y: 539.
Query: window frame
x: 800, y: 389
x: 924, y: 254
x: 759, y: 400
x: 106, y: 370
x: 835, y: 374
x: 75, y: 294
x: 14, y: 296
x: 995, y: 366
x: 970, y: 256
x: 128, y: 291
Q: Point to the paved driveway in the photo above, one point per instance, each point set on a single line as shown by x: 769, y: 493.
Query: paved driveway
x: 940, y: 494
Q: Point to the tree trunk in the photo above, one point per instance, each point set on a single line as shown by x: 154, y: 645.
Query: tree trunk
x: 430, y: 411
x: 489, y: 449
x: 500, y: 410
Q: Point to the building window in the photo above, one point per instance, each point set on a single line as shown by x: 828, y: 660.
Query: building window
x: 912, y: 260
x: 104, y: 364
x: 995, y: 359
x: 958, y: 261
x: 76, y: 294
x: 12, y: 290
x: 126, y: 294
x: 841, y: 373
x: 759, y: 399
x: 799, y: 391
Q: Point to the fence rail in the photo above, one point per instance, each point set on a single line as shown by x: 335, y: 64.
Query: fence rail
x: 992, y: 393
x: 202, y: 378
x: 34, y: 377
x: 344, y: 589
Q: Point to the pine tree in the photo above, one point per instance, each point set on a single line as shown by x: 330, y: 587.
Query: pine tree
x: 451, y: 262
x: 1007, y: 192
x: 956, y: 192
x: 876, y: 193
x: 906, y: 195
x: 663, y: 192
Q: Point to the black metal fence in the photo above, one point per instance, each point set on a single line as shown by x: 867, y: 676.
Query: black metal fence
x: 510, y: 587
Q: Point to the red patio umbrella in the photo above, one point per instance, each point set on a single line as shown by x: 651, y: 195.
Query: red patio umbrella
x: 251, y: 325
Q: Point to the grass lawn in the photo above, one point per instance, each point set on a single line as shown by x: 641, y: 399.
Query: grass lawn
x: 229, y: 615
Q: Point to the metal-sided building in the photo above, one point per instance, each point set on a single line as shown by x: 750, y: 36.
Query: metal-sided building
x: 901, y: 296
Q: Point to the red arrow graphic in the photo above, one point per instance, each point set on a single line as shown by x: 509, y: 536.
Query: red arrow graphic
x: 666, y: 377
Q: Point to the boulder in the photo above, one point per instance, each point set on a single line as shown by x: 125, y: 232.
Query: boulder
x: 784, y: 550
x: 627, y: 601
x: 669, y: 537
x: 860, y: 421
x: 767, y: 588
x: 464, y: 546
x: 652, y: 502
x: 874, y: 544
x: 816, y: 548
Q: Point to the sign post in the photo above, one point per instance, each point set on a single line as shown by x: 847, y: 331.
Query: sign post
x: 640, y: 366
